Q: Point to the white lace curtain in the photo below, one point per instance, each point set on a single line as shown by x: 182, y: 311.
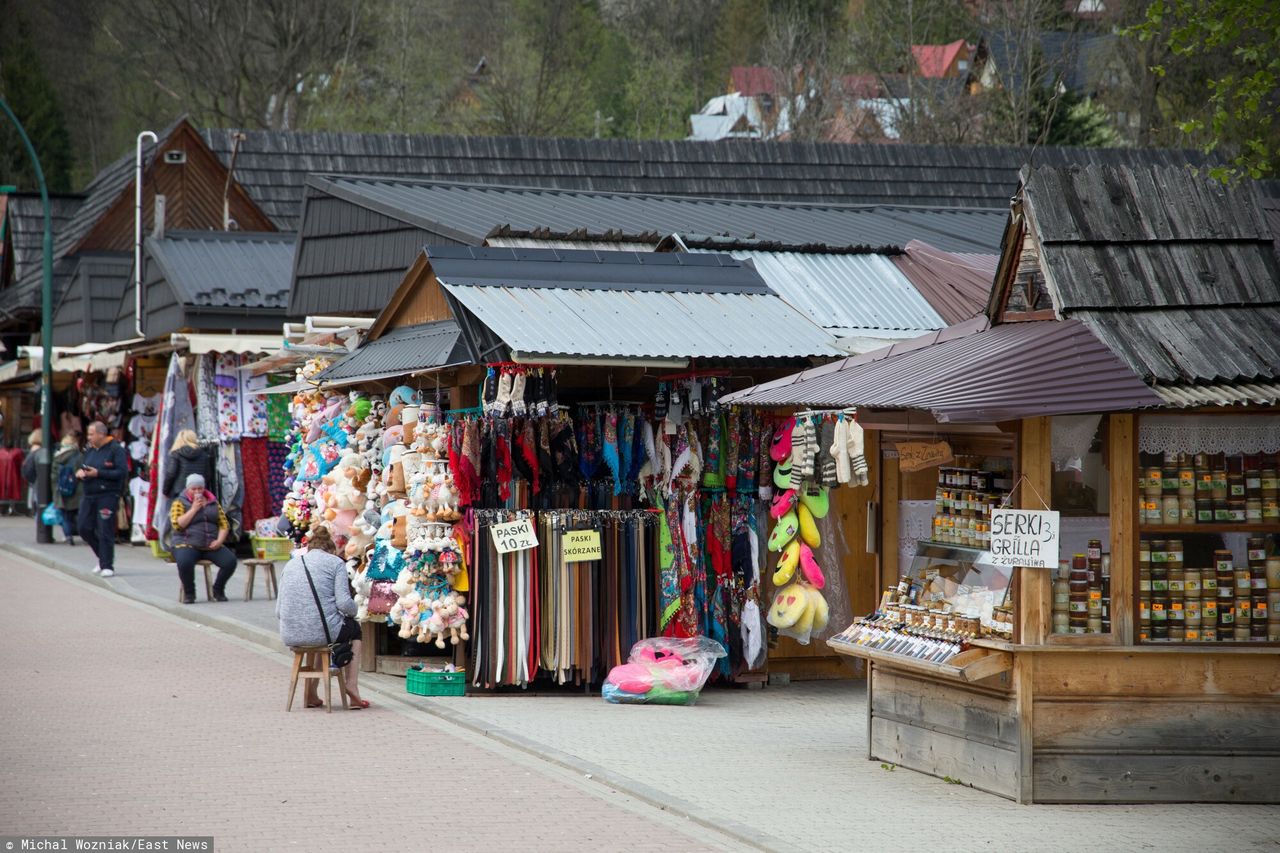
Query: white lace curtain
x: 1230, y: 434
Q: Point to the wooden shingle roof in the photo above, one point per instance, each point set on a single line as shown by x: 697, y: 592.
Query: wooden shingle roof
x: 273, y: 166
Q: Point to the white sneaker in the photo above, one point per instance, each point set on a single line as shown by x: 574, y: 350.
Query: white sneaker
x: 108, y: 573
x: 97, y: 570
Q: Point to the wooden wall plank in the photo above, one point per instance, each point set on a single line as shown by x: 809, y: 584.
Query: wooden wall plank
x: 1168, y: 674
x: 1157, y: 779
x: 1159, y: 726
x: 939, y: 706
x: 1122, y: 460
x: 978, y: 765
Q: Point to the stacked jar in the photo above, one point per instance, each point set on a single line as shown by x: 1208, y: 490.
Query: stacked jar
x: 1078, y: 591
x: 1203, y: 474
x: 1269, y: 490
x: 1177, y: 603
x: 1237, y: 501
x: 1062, y: 598
x: 1226, y: 579
x: 1144, y: 590
x: 1258, y: 604
x: 1191, y: 596
x: 963, y: 503
x: 1273, y: 598
x: 1221, y: 508
x: 1151, y: 487
x: 1159, y: 590
x: 1093, y: 561
x: 1209, y: 604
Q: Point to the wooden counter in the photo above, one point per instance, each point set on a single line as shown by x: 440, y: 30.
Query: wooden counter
x: 1059, y: 724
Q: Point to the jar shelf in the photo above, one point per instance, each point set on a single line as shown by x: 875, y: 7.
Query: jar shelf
x: 1215, y: 527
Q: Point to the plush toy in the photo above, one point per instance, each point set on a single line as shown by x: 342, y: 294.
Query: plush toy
x: 798, y: 610
x: 444, y: 616
x: 360, y: 585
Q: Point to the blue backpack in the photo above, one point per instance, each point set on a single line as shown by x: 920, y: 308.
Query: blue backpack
x: 67, y: 483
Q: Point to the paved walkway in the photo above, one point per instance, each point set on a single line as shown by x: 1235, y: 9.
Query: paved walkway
x: 119, y: 719
x: 782, y: 768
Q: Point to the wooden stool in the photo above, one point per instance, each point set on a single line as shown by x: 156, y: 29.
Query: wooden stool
x: 207, y: 565
x: 312, y: 663
x: 268, y: 576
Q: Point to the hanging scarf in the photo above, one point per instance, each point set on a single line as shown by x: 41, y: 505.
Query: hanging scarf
x: 609, y: 451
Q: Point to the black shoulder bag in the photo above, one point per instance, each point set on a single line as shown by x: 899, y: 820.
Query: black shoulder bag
x: 340, y: 654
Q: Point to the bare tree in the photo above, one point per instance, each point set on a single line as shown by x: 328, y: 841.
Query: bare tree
x: 245, y: 63
x: 806, y: 73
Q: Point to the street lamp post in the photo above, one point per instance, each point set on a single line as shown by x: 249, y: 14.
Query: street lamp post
x: 44, y: 533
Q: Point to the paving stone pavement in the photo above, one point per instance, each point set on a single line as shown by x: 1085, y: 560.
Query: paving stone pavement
x: 119, y: 719
x: 784, y: 768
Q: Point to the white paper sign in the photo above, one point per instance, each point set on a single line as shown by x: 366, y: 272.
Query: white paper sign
x: 514, y: 536
x: 1024, y: 537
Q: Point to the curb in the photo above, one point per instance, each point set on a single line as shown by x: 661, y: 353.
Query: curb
x: 732, y: 830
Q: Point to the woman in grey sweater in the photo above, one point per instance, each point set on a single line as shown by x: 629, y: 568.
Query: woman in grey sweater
x: 300, y: 620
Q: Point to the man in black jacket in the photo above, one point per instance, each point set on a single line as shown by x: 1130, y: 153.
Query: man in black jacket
x: 104, y: 470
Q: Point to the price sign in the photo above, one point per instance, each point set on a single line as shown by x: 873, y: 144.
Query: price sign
x: 578, y: 546
x: 514, y: 536
x: 1024, y: 537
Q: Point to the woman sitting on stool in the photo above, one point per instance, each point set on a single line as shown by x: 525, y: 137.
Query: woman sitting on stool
x: 199, y: 531
x: 300, y: 614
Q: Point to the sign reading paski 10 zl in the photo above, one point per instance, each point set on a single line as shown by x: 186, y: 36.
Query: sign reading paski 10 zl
x: 1024, y: 537
x: 514, y: 536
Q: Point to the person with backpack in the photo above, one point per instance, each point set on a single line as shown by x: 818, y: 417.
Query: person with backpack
x: 66, y: 488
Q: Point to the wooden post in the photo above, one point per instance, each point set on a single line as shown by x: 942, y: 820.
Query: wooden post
x: 890, y: 489
x: 1122, y: 455
x: 1035, y: 585
x: 368, y: 647
x: 1023, y: 672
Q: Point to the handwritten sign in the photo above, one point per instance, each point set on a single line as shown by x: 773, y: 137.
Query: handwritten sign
x: 918, y: 455
x: 580, y: 545
x: 1024, y: 537
x: 514, y: 536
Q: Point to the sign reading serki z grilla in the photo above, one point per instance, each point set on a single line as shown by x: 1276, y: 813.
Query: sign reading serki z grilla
x: 514, y: 536
x: 1024, y: 537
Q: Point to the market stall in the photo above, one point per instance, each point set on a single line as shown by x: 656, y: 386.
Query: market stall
x: 1080, y: 562
x: 644, y: 498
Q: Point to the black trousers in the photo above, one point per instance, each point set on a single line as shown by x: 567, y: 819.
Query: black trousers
x: 186, y: 557
x: 97, y: 524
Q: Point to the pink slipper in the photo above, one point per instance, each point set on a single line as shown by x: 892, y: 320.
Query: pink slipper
x: 781, y: 448
x: 783, y: 503
x: 812, y: 571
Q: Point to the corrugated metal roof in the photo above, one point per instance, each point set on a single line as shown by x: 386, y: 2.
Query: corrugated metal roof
x: 531, y: 242
x: 846, y: 294
x: 956, y: 285
x: 972, y: 373
x: 217, y: 269
x: 1235, y: 394
x: 398, y: 352
x: 545, y: 302
x: 469, y: 213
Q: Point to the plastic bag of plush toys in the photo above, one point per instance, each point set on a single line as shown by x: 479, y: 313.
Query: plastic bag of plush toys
x: 663, y: 671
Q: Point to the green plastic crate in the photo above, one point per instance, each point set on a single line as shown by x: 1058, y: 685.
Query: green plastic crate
x: 271, y: 547
x: 422, y: 683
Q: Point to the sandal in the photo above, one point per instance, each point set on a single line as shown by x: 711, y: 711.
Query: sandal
x: 357, y: 704
x: 315, y: 704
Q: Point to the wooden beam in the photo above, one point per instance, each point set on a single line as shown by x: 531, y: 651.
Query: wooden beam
x: 1035, y: 586
x: 890, y: 488
x: 1024, y: 708
x: 1122, y: 452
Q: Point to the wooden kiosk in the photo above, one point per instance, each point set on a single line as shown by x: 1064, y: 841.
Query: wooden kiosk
x: 1132, y: 317
x: 1060, y: 718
